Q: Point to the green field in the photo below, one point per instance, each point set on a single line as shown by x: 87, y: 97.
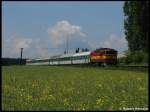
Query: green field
x: 72, y: 88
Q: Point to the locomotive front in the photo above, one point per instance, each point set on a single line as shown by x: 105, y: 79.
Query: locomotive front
x: 104, y: 56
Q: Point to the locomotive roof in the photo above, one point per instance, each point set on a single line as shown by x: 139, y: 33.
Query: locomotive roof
x: 105, y: 49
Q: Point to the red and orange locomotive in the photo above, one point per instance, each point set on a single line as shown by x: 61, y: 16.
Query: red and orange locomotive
x: 104, y: 56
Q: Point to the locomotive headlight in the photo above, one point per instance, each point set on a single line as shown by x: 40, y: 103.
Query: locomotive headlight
x: 104, y: 57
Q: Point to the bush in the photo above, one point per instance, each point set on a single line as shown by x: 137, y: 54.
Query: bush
x: 12, y: 61
x: 145, y: 58
x: 128, y: 59
x: 138, y: 57
x: 121, y: 60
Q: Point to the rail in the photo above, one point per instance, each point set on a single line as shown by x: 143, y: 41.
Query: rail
x: 117, y: 67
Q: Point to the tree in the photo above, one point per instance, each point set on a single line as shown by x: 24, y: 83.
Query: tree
x: 136, y: 25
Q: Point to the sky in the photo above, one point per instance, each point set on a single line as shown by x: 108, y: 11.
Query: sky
x: 44, y: 28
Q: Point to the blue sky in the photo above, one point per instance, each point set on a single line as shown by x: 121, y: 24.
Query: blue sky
x: 36, y: 26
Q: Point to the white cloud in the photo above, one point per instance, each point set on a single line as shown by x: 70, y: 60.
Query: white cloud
x: 40, y: 52
x: 21, y: 43
x: 61, y: 30
x: 11, y: 46
x: 118, y: 43
x: 56, y: 40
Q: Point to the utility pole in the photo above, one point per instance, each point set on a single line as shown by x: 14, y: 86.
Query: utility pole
x: 21, y: 56
x: 67, y: 44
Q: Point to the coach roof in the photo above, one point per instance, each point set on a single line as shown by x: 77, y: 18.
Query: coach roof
x: 82, y: 53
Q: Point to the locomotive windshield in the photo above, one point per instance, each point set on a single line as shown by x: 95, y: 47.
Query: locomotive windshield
x: 111, y: 52
x: 105, y: 51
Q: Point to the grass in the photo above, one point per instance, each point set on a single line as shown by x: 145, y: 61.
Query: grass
x: 72, y: 88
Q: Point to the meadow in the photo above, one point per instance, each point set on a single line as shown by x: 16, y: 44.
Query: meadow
x: 72, y: 88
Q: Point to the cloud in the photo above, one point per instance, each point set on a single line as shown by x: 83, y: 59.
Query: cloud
x: 55, y: 39
x: 40, y: 52
x: 63, y: 29
x: 118, y: 43
x: 12, y: 45
x: 21, y: 43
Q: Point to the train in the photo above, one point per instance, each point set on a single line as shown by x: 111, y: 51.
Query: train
x: 100, y: 56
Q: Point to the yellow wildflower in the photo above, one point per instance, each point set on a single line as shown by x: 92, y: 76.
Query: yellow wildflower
x: 82, y: 106
x: 99, y: 85
x: 142, y: 88
x: 51, y: 97
x: 72, y: 83
x: 101, y: 101
x: 66, y: 102
x: 70, y: 89
x: 139, y: 79
x: 123, y: 91
x: 123, y: 103
x: 29, y: 97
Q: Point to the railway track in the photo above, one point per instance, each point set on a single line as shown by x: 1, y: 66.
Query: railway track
x: 118, y: 67
x: 131, y: 68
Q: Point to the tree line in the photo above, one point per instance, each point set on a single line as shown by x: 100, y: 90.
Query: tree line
x: 13, y: 61
x: 136, y: 25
